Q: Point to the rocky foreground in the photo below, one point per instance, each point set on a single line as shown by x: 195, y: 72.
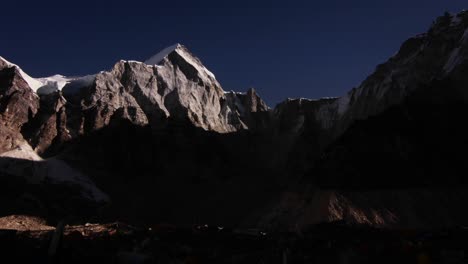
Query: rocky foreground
x: 325, y: 243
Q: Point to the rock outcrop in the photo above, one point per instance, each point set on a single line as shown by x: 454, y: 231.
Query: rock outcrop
x: 18, y: 105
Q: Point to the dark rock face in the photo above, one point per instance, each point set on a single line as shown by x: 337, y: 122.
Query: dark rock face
x: 409, y: 145
x: 421, y: 128
x: 49, y: 124
x: 164, y: 135
x: 395, y: 144
x: 421, y: 61
x: 247, y: 111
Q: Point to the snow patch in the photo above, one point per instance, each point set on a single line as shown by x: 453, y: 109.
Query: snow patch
x: 52, y: 84
x: 22, y: 151
x: 59, y: 82
x: 137, y: 62
x: 53, y: 170
x: 47, y: 85
x: 233, y: 92
x: 316, y: 100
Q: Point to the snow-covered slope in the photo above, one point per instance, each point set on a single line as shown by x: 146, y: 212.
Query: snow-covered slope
x: 58, y: 82
x: 33, y: 83
x: 35, y: 170
x: 159, y: 57
x: 47, y: 85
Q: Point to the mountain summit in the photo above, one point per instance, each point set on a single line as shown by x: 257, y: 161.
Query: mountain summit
x: 163, y: 54
x: 180, y: 55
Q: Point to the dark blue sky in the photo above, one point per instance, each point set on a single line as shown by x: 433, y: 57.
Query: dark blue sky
x: 282, y: 48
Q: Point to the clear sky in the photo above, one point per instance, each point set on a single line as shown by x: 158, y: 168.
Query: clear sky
x: 283, y: 49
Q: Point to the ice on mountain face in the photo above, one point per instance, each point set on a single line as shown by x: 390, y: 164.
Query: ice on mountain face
x: 52, y: 84
x: 58, y: 82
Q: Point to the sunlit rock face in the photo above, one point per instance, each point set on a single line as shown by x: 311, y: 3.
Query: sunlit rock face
x: 172, y: 85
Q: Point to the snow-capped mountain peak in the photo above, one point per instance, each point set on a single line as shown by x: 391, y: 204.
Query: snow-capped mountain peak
x: 186, y: 55
x: 159, y: 57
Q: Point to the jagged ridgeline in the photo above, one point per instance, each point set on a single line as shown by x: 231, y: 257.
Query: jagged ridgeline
x: 161, y: 141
